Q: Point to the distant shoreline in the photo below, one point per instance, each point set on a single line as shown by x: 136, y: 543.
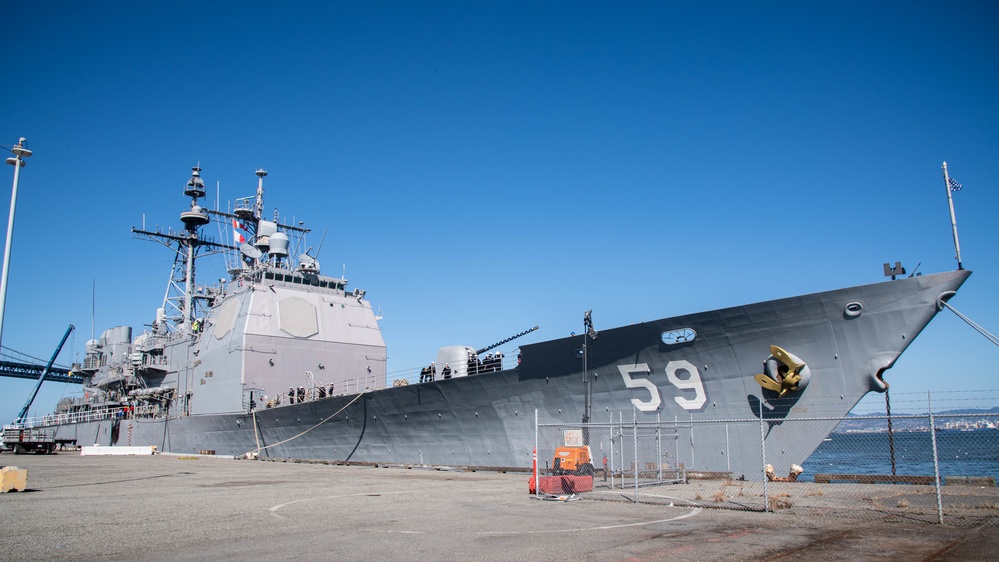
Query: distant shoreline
x: 916, y: 430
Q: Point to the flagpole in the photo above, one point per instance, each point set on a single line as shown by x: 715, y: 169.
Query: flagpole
x: 953, y: 219
x: 21, y: 153
x: 588, y: 334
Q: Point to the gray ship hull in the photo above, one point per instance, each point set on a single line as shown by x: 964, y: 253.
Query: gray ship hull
x: 698, y: 367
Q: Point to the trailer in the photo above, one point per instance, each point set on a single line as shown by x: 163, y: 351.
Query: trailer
x: 22, y: 439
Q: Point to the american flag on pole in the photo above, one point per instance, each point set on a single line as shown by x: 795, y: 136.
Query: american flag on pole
x: 237, y: 236
x: 954, y: 186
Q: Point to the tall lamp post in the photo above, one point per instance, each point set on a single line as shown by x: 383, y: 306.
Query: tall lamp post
x: 21, y: 153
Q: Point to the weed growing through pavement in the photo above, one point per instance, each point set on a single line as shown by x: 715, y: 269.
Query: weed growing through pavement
x: 780, y: 501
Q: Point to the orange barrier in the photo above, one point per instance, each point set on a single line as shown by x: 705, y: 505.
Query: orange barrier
x: 565, y: 484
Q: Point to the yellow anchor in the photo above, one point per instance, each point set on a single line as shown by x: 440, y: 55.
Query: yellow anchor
x: 788, y: 380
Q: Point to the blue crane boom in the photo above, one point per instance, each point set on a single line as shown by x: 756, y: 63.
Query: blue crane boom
x: 38, y: 385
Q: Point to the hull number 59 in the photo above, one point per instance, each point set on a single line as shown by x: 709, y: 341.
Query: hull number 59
x: 681, y: 374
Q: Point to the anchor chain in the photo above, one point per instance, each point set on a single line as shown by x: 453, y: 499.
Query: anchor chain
x: 891, y: 434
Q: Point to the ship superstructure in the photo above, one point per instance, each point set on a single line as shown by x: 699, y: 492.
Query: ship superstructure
x: 234, y: 344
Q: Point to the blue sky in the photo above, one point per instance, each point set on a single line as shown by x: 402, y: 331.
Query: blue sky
x: 484, y: 167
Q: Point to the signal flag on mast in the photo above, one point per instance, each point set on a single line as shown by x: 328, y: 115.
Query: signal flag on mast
x: 237, y: 236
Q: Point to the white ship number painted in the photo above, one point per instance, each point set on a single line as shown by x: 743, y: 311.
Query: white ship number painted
x: 691, y: 382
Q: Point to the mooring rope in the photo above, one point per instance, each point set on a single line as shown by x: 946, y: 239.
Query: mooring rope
x: 256, y: 432
x: 331, y: 416
x: 971, y: 323
x: 977, y: 328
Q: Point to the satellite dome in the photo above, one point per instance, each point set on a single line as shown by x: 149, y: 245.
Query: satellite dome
x: 279, y: 244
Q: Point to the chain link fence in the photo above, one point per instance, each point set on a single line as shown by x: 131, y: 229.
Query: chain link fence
x: 873, y: 466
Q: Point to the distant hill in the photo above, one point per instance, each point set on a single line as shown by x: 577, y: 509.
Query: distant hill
x: 962, y: 418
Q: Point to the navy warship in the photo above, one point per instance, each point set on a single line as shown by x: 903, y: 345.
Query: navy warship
x: 280, y: 360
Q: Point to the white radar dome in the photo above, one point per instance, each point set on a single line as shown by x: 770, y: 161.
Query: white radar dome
x: 279, y: 244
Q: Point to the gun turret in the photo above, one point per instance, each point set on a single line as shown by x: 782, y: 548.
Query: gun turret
x: 511, y: 338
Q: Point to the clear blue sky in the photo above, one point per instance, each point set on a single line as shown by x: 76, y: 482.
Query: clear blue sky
x: 483, y: 167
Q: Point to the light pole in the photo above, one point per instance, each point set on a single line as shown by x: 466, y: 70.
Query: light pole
x: 21, y: 153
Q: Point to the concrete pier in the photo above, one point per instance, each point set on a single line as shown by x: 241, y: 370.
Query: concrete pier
x: 166, y: 507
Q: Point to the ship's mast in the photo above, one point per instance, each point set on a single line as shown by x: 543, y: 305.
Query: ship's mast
x: 258, y: 209
x: 179, y: 301
x: 193, y: 219
x: 182, y: 300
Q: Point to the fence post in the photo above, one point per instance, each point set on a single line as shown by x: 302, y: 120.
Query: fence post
x: 659, y: 448
x: 634, y: 425
x: 676, y: 444
x: 728, y: 451
x: 620, y: 435
x: 537, y: 483
x: 936, y: 463
x: 691, y: 441
x: 763, y: 453
x: 610, y: 445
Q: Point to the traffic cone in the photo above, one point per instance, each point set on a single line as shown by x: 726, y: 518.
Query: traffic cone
x: 532, y: 485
